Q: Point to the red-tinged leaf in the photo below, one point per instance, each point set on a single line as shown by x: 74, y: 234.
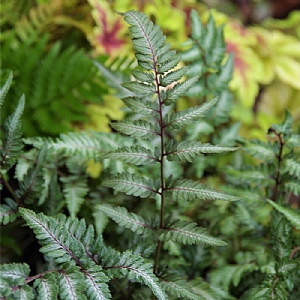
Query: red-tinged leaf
x: 109, y: 39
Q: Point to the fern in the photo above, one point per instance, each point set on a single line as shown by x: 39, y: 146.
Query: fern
x: 12, y: 144
x: 290, y: 214
x: 58, y: 92
x: 151, y: 100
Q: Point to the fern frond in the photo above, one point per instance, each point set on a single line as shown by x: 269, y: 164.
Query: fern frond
x: 95, y: 284
x: 292, y: 186
x: 290, y: 214
x: 71, y: 284
x: 52, y: 235
x: 131, y: 185
x: 293, y: 141
x: 195, y: 289
x: 139, y: 105
x: 88, y: 145
x: 139, y: 129
x: 231, y: 274
x: 140, y: 88
x: 74, y: 189
x: 190, y: 115
x: 173, y: 76
x: 8, y: 211
x: 189, y: 150
x: 30, y: 25
x: 188, y: 233
x: 286, y: 266
x: 12, y: 144
x: 15, y: 274
x: 191, y: 190
x: 178, y: 90
x: 138, y: 270
x: 261, y: 151
x: 33, y: 184
x: 134, y: 155
x: 292, y: 167
x: 4, y: 89
x: 125, y: 219
x: 46, y: 287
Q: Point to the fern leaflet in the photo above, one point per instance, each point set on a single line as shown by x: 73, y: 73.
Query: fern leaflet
x: 191, y: 190
x: 188, y: 233
x: 126, y: 219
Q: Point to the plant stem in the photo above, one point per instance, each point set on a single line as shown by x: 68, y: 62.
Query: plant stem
x: 279, y: 160
x: 11, y: 190
x: 162, y: 179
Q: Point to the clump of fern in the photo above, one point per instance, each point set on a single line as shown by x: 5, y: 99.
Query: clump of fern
x: 51, y: 177
x: 266, y: 219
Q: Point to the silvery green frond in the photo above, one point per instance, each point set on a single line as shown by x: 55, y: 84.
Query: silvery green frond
x: 135, y: 155
x: 190, y: 115
x: 125, y: 219
x: 131, y: 185
x: 188, y: 233
x: 188, y: 190
x: 139, y: 129
x: 189, y: 150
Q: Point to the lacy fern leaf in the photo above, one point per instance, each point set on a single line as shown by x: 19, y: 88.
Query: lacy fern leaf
x: 188, y: 233
x: 190, y: 115
x: 4, y: 89
x: 137, y: 270
x: 131, y: 185
x: 134, y: 155
x: 191, y: 190
x: 125, y: 219
x: 12, y: 144
x: 290, y: 214
x: 47, y: 287
x: 139, y: 129
x: 189, y: 150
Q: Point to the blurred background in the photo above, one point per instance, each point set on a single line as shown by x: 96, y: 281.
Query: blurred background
x: 52, y: 46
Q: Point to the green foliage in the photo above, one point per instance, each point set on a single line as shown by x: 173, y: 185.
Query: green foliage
x: 172, y: 237
x: 58, y: 92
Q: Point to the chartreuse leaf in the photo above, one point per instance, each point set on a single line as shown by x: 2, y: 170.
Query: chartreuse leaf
x: 12, y: 145
x: 131, y: 185
x: 188, y: 233
x: 124, y: 218
x: 189, y: 190
x: 139, y: 129
x: 134, y: 155
x: 289, y: 213
x: 190, y: 115
x: 189, y: 150
x: 4, y: 89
